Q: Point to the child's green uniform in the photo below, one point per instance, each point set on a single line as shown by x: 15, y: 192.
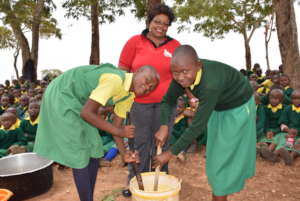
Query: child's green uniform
x: 2, y: 109
x: 10, y: 137
x: 21, y: 111
x: 290, y: 117
x: 180, y: 124
x: 62, y: 135
x: 227, y: 106
x: 272, y: 122
x: 260, y: 121
x: 29, y: 129
x: 288, y: 91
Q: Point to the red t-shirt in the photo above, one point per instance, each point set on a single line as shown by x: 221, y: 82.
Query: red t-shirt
x: 140, y: 51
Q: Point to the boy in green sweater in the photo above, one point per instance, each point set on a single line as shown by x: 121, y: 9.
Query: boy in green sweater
x: 11, y: 138
x: 226, y: 106
x: 29, y: 124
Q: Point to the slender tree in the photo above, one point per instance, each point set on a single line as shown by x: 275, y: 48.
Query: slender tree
x: 98, y: 12
x: 269, y: 28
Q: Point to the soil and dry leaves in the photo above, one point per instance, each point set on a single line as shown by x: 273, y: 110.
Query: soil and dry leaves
x: 273, y: 182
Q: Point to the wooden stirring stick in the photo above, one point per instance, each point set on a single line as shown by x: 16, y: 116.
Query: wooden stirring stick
x: 157, y: 170
x: 134, y: 164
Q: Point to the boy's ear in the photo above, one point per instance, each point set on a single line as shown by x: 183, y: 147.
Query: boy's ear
x: 199, y: 64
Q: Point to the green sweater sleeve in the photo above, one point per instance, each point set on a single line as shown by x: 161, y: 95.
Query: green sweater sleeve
x: 208, y: 100
x: 21, y: 137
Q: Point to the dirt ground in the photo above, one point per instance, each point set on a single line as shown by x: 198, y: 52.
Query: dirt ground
x: 273, y: 182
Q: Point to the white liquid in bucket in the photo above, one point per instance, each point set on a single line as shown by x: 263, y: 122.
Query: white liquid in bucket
x: 168, y: 188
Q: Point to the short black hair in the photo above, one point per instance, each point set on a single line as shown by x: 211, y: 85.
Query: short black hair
x: 185, y: 50
x: 160, y: 9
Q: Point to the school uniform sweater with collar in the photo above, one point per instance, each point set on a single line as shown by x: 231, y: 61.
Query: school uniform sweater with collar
x: 220, y: 87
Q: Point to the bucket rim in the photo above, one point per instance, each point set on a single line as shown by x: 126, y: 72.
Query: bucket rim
x: 175, y: 189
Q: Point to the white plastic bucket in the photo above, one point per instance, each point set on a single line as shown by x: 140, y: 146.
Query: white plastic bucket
x: 168, y: 188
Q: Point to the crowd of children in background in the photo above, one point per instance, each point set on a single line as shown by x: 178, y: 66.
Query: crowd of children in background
x: 278, y: 117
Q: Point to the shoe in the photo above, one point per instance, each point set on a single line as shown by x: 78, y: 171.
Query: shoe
x: 287, y: 158
x: 268, y: 155
x: 126, y: 193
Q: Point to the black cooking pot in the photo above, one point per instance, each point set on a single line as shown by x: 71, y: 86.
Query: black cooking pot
x: 26, y: 175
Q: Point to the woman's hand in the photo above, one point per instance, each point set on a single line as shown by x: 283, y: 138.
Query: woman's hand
x: 161, y: 135
x: 162, y: 159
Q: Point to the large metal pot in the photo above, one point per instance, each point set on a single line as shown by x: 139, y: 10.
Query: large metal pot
x: 26, y: 175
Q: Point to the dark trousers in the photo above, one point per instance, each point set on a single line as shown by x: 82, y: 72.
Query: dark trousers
x: 85, y: 179
x: 146, y: 119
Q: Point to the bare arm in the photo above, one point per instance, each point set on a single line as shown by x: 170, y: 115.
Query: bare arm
x: 89, y: 114
x: 117, y: 122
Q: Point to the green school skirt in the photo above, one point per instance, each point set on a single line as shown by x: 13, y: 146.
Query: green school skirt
x: 231, y: 148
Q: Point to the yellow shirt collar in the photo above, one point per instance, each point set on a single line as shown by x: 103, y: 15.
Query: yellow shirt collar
x: 285, y: 88
x: 36, y: 121
x: 13, y: 127
x: 128, y: 81
x: 3, y: 107
x: 178, y: 118
x: 275, y: 108
x: 296, y: 109
x: 197, y: 80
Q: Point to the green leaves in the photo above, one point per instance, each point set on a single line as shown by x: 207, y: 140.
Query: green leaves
x: 217, y: 17
x: 108, y: 9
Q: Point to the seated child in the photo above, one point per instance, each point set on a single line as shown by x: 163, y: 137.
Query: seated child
x: 290, y: 119
x: 14, y: 111
x: 4, y: 103
x: 12, y: 140
x: 29, y: 125
x: 180, y: 124
x: 273, y: 112
x: 285, y: 83
x: 23, y: 106
x: 289, y: 151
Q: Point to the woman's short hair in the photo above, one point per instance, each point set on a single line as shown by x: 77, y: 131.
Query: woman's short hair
x: 161, y: 9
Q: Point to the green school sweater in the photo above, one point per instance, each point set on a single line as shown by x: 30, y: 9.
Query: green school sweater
x: 290, y: 118
x: 28, y: 129
x: 221, y: 87
x: 272, y: 119
x: 10, y: 137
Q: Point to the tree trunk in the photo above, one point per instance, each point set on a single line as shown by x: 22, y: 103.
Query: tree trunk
x: 95, y: 49
x: 22, y: 41
x: 36, y: 33
x: 16, y: 55
x: 288, y: 39
x: 247, y: 51
x: 267, y: 47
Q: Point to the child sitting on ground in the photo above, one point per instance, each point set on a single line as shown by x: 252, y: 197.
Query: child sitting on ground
x: 285, y: 83
x: 273, y: 112
x: 23, y: 106
x: 290, y: 119
x: 12, y: 140
x: 29, y: 125
x: 4, y: 103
